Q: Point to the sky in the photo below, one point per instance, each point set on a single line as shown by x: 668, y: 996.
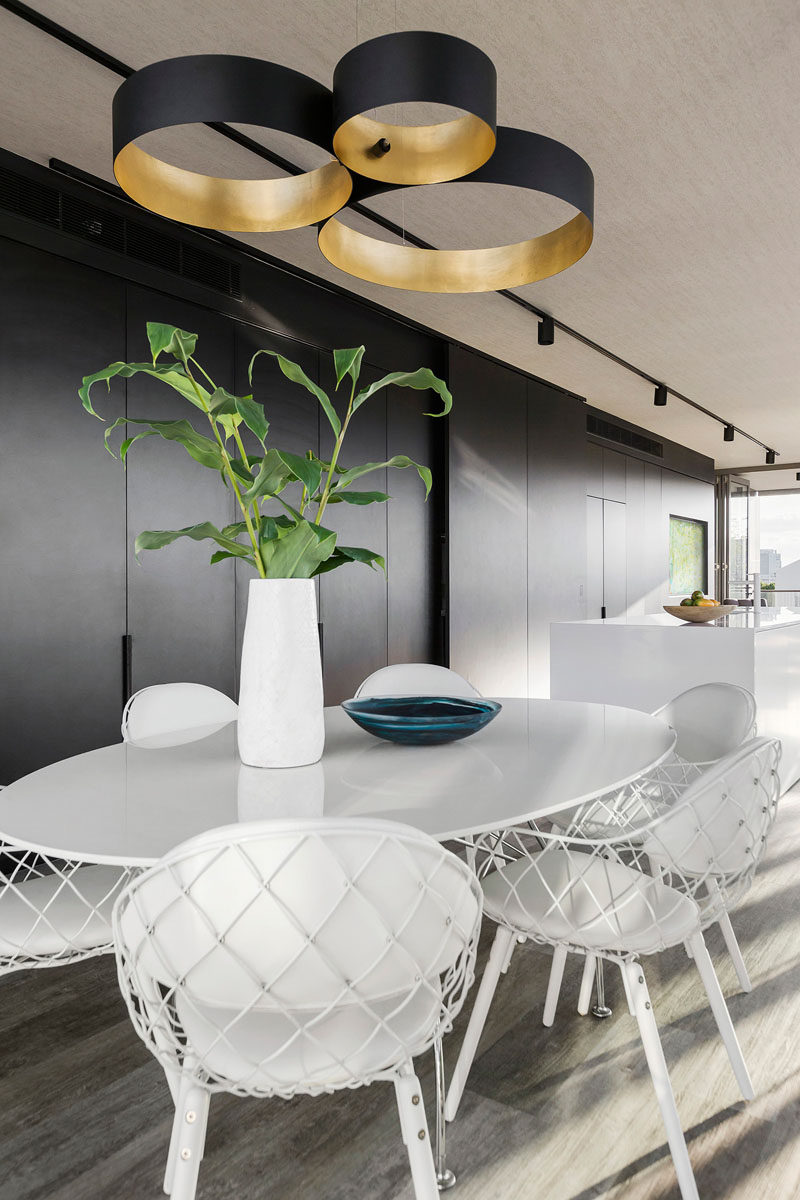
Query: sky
x: 780, y: 525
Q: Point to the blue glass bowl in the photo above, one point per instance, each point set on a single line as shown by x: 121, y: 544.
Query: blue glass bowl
x: 421, y: 720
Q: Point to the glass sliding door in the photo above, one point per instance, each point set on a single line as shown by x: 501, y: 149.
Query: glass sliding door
x: 734, y: 538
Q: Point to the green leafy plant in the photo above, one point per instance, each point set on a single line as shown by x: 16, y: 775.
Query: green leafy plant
x: 294, y: 544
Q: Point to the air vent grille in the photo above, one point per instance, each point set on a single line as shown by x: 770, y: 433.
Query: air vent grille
x: 92, y: 223
x: 624, y: 437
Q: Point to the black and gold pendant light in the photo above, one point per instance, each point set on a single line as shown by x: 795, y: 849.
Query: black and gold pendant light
x: 223, y: 87
x: 397, y: 68
x: 414, y: 66
x: 521, y: 159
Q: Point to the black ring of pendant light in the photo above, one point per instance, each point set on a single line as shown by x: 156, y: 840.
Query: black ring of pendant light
x: 522, y: 159
x: 222, y: 87
x: 414, y: 66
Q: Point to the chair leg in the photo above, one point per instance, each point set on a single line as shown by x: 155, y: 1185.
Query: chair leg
x: 554, y: 984
x: 735, y: 953
x: 648, y: 1031
x: 627, y: 987
x: 587, y: 983
x: 721, y: 1014
x: 503, y: 938
x: 415, y: 1134
x: 511, y: 948
x: 190, y: 1125
x: 179, y: 1086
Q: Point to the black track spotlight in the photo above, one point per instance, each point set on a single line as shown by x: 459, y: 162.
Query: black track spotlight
x: 770, y: 458
x: 729, y: 433
x: 547, y: 331
x: 660, y: 397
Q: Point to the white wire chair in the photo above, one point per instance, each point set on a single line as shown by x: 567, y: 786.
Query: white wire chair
x: 53, y: 911
x: 290, y: 957
x: 170, y: 714
x: 710, y: 720
x: 647, y: 884
x: 416, y: 679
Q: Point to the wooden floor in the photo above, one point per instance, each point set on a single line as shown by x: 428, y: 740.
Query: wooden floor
x: 561, y: 1114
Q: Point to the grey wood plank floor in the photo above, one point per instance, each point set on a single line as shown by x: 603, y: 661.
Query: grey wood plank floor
x: 566, y: 1113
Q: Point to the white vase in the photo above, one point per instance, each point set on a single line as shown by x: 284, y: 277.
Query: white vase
x: 281, y: 721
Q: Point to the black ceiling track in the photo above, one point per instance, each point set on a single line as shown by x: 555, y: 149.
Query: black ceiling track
x: 86, y: 48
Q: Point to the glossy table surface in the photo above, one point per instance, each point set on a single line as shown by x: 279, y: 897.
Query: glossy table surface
x: 130, y: 804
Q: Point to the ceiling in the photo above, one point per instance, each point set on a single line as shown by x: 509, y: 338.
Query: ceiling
x: 686, y: 112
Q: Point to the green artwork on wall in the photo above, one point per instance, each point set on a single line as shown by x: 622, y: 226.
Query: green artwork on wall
x: 688, y: 555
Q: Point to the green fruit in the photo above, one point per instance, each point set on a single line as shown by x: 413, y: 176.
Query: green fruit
x: 687, y: 603
x: 697, y: 595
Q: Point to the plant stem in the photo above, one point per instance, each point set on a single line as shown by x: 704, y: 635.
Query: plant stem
x: 335, y: 456
x: 229, y: 472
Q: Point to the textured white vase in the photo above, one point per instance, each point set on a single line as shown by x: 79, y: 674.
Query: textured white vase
x: 280, y: 694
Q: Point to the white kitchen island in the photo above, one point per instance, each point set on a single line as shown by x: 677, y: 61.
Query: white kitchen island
x: 642, y: 662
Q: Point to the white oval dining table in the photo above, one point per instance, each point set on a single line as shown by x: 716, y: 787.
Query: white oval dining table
x: 129, y: 805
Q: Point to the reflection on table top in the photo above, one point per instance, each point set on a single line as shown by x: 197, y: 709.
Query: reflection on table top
x: 129, y: 804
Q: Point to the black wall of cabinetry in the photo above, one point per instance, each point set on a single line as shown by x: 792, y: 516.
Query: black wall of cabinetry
x: 70, y: 586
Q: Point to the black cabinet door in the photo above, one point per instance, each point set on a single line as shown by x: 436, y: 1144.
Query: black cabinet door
x: 353, y: 598
x: 62, y: 512
x: 488, y: 537
x: 180, y: 609
x: 415, y: 527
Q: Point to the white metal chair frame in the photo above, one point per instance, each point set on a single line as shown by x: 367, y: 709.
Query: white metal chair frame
x: 288, y: 957
x: 627, y: 894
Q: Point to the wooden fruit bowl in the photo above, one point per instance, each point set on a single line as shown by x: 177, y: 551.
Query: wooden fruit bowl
x: 699, y: 614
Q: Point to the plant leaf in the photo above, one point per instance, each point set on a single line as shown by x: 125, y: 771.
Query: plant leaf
x: 297, y: 375
x: 201, y: 449
x: 156, y: 539
x: 252, y: 413
x: 347, y: 554
x: 357, y: 497
x: 348, y: 362
x: 307, y: 470
x: 170, y: 340
x: 400, y: 461
x: 297, y: 553
x: 421, y: 379
x: 172, y: 374
x: 272, y: 477
x: 219, y: 555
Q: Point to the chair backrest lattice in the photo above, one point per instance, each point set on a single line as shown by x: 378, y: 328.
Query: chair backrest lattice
x: 710, y: 720
x: 175, y: 713
x: 620, y: 877
x: 416, y: 679
x: 283, y: 957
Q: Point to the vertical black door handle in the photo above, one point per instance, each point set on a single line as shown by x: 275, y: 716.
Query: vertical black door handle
x: 603, y: 613
x: 127, y: 667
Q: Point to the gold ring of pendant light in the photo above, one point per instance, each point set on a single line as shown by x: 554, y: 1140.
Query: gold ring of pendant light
x: 221, y: 87
x: 414, y: 66
x: 521, y: 159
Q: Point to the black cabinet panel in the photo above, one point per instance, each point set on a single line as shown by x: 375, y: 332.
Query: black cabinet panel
x: 488, y: 538
x: 293, y: 415
x: 180, y: 609
x: 353, y: 599
x: 62, y: 513
x: 414, y: 533
x: 557, y: 533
